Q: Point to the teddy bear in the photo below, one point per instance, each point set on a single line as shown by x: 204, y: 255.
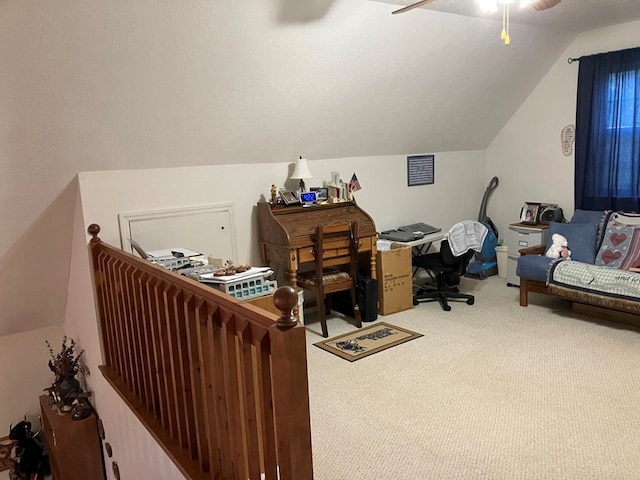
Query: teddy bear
x: 559, y: 247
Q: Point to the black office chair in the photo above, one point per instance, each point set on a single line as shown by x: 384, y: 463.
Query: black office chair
x: 447, y: 269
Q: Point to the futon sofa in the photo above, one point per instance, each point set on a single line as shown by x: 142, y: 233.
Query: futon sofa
x: 601, y: 278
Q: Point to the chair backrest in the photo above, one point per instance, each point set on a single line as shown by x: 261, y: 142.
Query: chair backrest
x: 449, y: 258
x: 336, y: 245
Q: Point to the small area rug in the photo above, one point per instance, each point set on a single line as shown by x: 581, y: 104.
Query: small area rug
x: 366, y: 341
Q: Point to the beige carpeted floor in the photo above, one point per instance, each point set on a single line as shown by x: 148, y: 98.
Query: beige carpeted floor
x: 492, y: 391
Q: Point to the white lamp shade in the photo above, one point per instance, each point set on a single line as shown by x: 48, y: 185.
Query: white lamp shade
x: 301, y: 169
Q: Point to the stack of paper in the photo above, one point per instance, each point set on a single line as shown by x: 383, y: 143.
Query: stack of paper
x: 252, y: 272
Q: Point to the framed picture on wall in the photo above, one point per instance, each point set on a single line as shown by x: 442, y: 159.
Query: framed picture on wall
x: 530, y: 213
x: 420, y: 170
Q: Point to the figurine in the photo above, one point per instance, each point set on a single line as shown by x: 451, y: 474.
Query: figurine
x: 274, y: 190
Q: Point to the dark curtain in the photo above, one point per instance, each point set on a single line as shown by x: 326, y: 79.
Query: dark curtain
x: 607, y: 159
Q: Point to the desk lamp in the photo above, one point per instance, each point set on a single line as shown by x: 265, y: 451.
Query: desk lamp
x: 301, y: 171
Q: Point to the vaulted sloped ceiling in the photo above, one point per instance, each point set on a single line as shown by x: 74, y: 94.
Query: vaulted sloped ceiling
x: 356, y: 81
x: 148, y: 84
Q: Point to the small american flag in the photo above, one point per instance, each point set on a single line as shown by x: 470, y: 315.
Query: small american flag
x: 354, y: 184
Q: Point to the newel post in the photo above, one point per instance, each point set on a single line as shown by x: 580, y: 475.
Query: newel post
x: 94, y: 230
x: 291, y: 390
x: 286, y: 299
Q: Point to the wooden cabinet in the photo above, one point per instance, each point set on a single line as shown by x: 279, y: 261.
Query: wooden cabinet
x: 74, y: 448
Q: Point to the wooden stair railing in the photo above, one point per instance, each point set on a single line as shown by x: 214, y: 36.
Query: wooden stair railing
x: 220, y: 384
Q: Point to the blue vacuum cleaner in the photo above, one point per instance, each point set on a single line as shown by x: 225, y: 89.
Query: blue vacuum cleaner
x: 485, y: 263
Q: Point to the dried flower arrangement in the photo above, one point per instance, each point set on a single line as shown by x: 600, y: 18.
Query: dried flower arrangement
x: 66, y: 363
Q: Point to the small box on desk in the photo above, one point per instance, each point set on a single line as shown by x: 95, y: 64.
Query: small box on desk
x: 395, y: 290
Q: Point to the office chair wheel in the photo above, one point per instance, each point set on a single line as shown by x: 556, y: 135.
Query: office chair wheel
x: 446, y: 308
x: 470, y: 301
x: 415, y: 302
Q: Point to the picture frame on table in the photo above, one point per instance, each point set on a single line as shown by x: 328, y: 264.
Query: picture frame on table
x: 530, y: 213
x: 322, y: 193
x: 289, y: 197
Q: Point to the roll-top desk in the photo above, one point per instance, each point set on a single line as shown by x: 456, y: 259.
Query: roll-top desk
x: 286, y: 233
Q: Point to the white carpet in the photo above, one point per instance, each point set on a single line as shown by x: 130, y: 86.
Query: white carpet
x: 492, y: 391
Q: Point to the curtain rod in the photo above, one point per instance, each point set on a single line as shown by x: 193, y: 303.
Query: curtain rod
x: 571, y: 59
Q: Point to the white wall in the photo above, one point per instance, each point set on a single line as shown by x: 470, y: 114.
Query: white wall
x: 526, y: 155
x: 25, y: 374
x: 385, y: 196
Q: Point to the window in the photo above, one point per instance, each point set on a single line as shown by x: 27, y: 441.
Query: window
x: 608, y: 132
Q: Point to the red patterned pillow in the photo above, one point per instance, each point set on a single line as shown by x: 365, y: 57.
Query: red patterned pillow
x: 620, y: 246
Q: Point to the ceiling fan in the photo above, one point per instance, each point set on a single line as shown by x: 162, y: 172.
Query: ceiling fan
x: 492, y: 6
x: 537, y: 4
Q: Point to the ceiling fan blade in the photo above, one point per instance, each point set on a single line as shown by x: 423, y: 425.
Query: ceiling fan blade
x: 412, y: 6
x: 544, y: 4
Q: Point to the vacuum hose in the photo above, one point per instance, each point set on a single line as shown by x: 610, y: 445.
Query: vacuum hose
x: 482, y: 214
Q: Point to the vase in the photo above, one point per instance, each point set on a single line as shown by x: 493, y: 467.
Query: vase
x: 67, y: 386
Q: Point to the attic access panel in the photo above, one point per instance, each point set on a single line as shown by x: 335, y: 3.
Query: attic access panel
x: 420, y: 170
x: 206, y: 229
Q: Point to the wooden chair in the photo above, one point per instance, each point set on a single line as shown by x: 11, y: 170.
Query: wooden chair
x: 336, y: 261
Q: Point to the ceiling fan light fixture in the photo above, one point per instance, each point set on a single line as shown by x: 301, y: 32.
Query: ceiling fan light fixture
x: 492, y: 6
x: 488, y: 6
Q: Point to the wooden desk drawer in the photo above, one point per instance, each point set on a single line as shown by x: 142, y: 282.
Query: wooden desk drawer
x: 306, y: 254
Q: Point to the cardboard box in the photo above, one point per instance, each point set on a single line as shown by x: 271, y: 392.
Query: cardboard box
x: 395, y: 290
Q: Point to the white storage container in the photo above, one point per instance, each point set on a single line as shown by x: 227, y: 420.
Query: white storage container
x: 502, y: 257
x: 522, y: 236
